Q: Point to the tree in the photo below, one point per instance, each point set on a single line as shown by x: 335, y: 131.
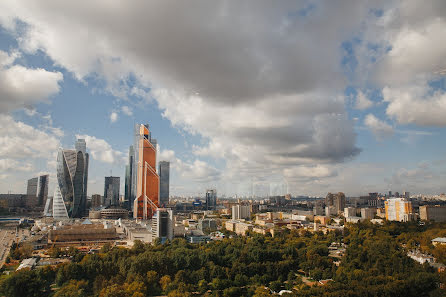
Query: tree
x: 73, y: 288
x: 164, y: 282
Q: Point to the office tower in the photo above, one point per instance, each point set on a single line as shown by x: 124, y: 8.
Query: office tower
x: 211, y: 199
x: 128, y: 191
x: 96, y: 200
x: 163, y: 171
x: 406, y: 195
x: 398, y: 209
x: 43, y: 189
x: 147, y: 180
x: 162, y: 224
x: 390, y: 193
x: 72, y: 178
x: 111, y: 190
x: 240, y: 212
x: 59, y: 208
x: 31, y: 192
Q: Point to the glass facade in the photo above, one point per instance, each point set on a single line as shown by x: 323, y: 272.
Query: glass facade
x: 163, y: 171
x: 111, y: 185
x: 72, y: 179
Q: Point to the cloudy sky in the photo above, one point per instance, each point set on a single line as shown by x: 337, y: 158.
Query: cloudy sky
x: 248, y: 97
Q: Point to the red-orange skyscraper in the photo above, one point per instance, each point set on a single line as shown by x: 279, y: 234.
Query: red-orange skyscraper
x: 147, y: 180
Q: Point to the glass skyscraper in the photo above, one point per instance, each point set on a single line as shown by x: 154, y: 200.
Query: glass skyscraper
x: 129, y: 196
x: 163, y: 171
x: 72, y: 178
x: 111, y: 190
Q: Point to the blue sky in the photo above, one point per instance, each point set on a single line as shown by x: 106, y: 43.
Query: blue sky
x: 304, y: 97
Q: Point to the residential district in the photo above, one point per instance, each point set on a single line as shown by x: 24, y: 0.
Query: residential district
x: 38, y: 230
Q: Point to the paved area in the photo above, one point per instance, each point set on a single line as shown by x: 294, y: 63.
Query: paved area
x: 7, y: 237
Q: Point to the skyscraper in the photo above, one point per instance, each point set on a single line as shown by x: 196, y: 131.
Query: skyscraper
x: 111, y: 190
x: 211, y: 199
x: 43, y: 189
x: 147, y: 180
x: 163, y: 171
x: 72, y: 178
x: 129, y: 196
x: 31, y: 192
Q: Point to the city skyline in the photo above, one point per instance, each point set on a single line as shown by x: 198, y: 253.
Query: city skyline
x: 306, y: 99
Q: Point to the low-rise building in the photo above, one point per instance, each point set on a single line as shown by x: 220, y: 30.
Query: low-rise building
x: 323, y: 220
x: 439, y: 241
x: 368, y: 213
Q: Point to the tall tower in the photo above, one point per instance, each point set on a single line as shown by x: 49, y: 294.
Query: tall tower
x: 211, y: 199
x: 43, y: 189
x: 31, y: 192
x: 72, y: 178
x: 129, y: 180
x: 163, y: 171
x: 147, y: 180
x: 111, y: 184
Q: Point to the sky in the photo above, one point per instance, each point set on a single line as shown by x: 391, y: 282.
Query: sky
x: 251, y: 98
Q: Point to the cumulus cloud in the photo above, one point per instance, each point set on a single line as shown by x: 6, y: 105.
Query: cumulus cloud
x: 102, y: 151
x: 127, y: 111
x: 418, y: 103
x: 259, y: 82
x: 379, y: 128
x: 362, y: 102
x: 113, y: 117
x: 21, y: 86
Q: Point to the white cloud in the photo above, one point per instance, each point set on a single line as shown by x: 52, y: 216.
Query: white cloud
x: 102, y: 151
x: 22, y: 87
x: 362, y: 102
x: 310, y: 172
x: 417, y: 103
x: 113, y: 117
x: 379, y: 128
x: 127, y: 111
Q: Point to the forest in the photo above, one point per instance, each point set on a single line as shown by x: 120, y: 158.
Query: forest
x: 374, y: 264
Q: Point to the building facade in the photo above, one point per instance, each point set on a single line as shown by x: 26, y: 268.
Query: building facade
x: 164, y: 172
x: 433, y: 213
x: 31, y: 192
x: 398, y: 209
x: 211, y: 199
x: 129, y: 197
x: 147, y: 179
x: 72, y: 178
x: 111, y: 190
x: 42, y: 194
x: 240, y: 212
x: 162, y: 224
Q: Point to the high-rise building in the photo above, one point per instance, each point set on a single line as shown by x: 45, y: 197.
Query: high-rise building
x: 435, y: 213
x: 31, y: 192
x: 96, y: 200
x: 398, y: 209
x: 163, y: 171
x: 111, y: 190
x: 335, y: 203
x: 72, y: 178
x: 147, y: 180
x: 129, y: 179
x: 211, y: 199
x: 162, y: 224
x: 43, y: 189
x: 240, y: 212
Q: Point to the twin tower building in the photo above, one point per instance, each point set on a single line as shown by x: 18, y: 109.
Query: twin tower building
x: 146, y: 189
